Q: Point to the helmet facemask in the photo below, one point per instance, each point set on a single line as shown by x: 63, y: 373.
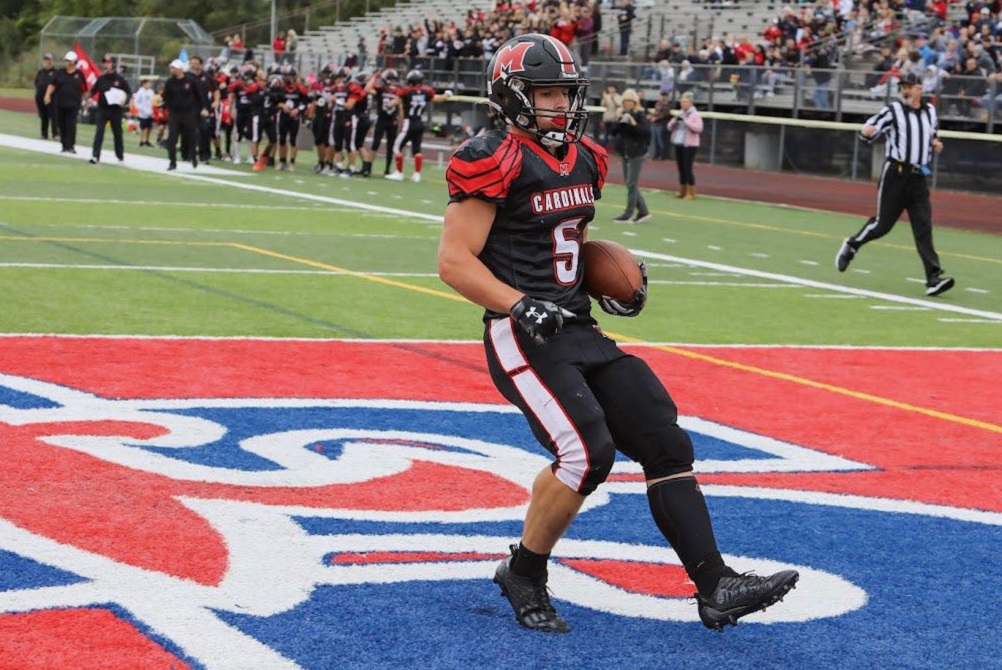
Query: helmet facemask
x: 513, y: 98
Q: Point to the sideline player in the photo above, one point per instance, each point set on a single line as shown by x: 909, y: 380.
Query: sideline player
x: 246, y: 93
x: 320, y: 115
x: 503, y: 248
x: 911, y: 128
x: 383, y: 89
x: 414, y: 99
x: 291, y: 110
x: 267, y: 113
x: 340, y: 117
x: 358, y: 123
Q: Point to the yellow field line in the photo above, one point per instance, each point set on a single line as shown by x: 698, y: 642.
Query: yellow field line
x: 945, y: 416
x: 352, y: 273
x: 858, y: 395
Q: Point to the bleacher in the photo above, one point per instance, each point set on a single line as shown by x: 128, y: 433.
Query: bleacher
x: 656, y: 19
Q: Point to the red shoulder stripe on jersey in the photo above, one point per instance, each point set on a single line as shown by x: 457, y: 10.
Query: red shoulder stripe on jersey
x: 601, y: 158
x: 490, y: 176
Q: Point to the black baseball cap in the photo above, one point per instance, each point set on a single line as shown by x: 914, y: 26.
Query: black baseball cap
x: 910, y: 79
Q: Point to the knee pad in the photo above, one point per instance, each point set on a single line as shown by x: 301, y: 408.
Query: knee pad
x: 583, y: 471
x: 675, y: 455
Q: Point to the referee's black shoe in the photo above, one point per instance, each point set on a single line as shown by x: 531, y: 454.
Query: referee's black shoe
x: 938, y: 284
x: 740, y: 595
x: 529, y: 599
x: 844, y: 256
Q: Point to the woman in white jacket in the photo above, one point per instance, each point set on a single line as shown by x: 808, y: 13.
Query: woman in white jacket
x: 685, y: 129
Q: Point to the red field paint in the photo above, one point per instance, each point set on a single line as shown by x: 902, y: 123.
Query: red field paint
x: 86, y: 638
x: 920, y: 457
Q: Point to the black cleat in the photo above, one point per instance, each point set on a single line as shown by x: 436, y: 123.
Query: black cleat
x: 937, y: 285
x: 529, y: 599
x: 737, y: 596
x: 844, y: 256
x: 172, y: 166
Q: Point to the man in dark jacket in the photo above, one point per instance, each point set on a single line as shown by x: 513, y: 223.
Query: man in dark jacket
x: 184, y: 101
x: 46, y: 113
x: 633, y: 137
x: 113, y: 93
x: 65, y: 93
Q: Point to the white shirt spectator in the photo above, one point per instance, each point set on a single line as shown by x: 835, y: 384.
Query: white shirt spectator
x: 143, y: 99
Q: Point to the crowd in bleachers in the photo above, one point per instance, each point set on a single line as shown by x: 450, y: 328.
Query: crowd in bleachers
x: 893, y: 36
x: 482, y: 32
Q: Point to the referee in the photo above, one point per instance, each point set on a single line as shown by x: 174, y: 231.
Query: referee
x: 910, y: 127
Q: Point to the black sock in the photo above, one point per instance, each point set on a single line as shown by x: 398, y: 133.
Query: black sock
x: 679, y: 510
x: 529, y: 564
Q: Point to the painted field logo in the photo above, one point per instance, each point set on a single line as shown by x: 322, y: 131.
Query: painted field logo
x: 221, y: 530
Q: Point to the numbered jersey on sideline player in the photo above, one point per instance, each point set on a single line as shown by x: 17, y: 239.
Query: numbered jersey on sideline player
x: 414, y: 101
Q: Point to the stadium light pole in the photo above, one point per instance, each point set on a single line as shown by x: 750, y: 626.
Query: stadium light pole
x: 272, y: 20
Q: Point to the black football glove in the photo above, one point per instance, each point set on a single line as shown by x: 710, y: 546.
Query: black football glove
x: 540, y: 319
x: 616, y: 308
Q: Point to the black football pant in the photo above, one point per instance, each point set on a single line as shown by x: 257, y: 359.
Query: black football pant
x: 112, y: 115
x: 903, y: 187
x: 66, y: 120
x: 585, y: 399
x: 182, y: 125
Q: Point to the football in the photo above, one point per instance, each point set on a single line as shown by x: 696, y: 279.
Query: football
x: 610, y: 270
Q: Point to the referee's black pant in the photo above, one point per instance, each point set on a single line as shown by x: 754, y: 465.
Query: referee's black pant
x: 112, y: 115
x: 182, y: 124
x: 903, y: 187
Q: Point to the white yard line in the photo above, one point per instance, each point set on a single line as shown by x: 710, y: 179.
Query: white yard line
x: 147, y: 165
x: 810, y: 283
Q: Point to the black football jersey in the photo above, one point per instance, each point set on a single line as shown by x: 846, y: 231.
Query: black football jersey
x: 385, y: 98
x: 415, y: 100
x: 543, y: 204
x: 295, y: 97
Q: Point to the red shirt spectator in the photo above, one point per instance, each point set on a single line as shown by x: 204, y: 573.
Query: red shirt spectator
x: 563, y: 30
x: 278, y: 46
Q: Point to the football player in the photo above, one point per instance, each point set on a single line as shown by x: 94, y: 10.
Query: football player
x: 383, y: 89
x: 338, y: 96
x: 267, y: 111
x: 520, y: 200
x: 320, y: 114
x: 290, y: 111
x: 246, y: 93
x: 414, y: 100
x: 357, y: 107
x: 224, y: 120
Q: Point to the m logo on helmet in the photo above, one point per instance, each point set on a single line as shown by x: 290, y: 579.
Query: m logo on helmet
x: 510, y: 58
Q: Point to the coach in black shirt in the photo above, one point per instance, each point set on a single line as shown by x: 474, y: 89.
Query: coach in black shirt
x: 910, y: 126
x: 46, y: 114
x: 113, y: 93
x: 184, y: 102
x: 65, y: 92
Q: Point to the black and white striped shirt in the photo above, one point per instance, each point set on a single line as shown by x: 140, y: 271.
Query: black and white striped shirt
x: 909, y: 132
